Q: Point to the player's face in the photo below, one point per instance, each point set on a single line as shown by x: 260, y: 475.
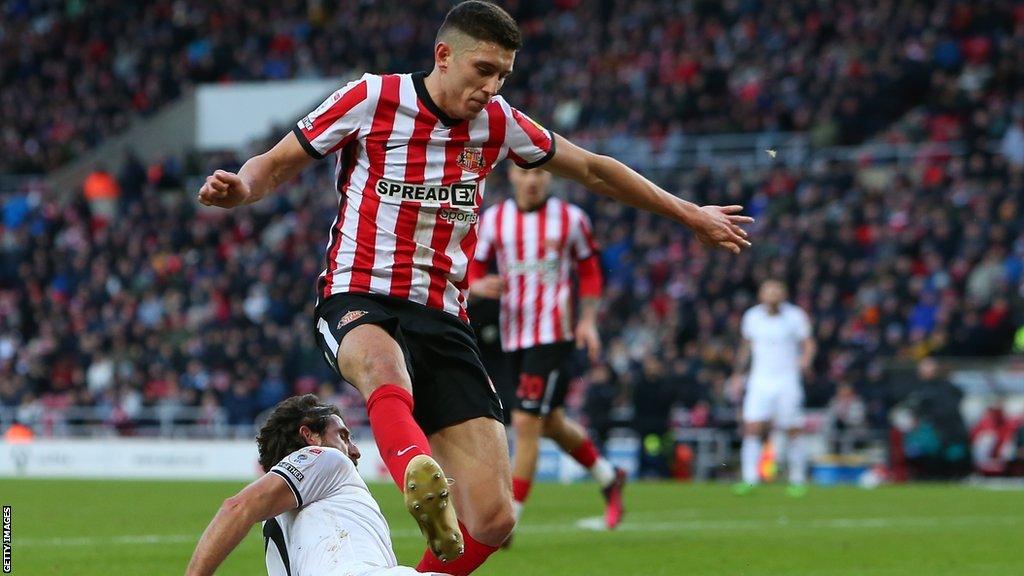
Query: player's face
x: 772, y: 293
x: 529, y: 186
x: 476, y: 72
x: 336, y: 435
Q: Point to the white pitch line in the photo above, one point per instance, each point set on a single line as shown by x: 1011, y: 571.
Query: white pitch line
x: 596, y: 523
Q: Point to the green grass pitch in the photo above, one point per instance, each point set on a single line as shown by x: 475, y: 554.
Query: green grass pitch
x: 124, y: 528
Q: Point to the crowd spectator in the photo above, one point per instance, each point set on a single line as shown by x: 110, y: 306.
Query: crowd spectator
x: 75, y: 73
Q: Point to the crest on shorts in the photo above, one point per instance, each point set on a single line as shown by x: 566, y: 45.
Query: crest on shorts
x: 351, y: 316
x: 471, y: 160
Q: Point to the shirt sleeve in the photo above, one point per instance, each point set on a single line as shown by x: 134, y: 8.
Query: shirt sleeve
x: 336, y: 121
x: 746, y: 328
x: 581, y: 235
x: 485, y: 239
x: 314, y: 473
x: 802, y: 322
x: 529, y: 144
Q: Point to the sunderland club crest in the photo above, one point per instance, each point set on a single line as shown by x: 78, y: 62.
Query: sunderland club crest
x: 471, y: 160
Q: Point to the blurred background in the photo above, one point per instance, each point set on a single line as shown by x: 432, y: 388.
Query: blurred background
x: 892, y: 209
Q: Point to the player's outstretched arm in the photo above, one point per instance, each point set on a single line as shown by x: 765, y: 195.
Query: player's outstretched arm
x: 259, y: 176
x: 261, y: 500
x: 717, y: 226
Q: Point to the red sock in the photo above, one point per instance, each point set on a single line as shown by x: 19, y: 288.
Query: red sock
x: 521, y: 489
x: 399, y: 437
x: 586, y: 454
x: 471, y: 559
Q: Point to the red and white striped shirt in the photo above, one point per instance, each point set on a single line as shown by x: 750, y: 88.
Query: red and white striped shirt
x: 536, y: 253
x: 411, y: 181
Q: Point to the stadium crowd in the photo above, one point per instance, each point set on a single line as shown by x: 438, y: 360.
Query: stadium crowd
x: 103, y: 303
x: 75, y: 73
x: 124, y: 311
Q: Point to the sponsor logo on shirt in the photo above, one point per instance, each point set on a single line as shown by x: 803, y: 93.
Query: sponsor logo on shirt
x: 455, y: 215
x: 350, y: 317
x: 547, y: 267
x: 463, y: 195
x: 291, y: 470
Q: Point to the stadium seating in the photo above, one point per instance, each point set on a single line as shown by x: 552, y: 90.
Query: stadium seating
x: 103, y: 304
x: 75, y: 74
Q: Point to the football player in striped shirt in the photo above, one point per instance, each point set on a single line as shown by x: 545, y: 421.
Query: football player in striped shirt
x: 540, y: 243
x: 412, y: 152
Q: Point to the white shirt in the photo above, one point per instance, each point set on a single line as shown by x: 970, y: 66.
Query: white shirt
x: 337, y: 529
x: 775, y: 342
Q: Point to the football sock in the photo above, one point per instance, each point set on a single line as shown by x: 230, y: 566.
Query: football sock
x: 750, y: 455
x: 520, y: 491
x: 797, y: 461
x: 399, y: 437
x: 475, y: 554
x: 600, y: 468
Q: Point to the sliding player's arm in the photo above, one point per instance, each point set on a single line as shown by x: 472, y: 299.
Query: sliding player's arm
x: 717, y: 226
x: 261, y: 500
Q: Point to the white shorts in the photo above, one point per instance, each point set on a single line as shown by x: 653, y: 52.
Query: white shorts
x: 779, y: 403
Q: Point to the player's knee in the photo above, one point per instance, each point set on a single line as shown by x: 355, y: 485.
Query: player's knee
x: 368, y: 372
x: 553, y: 426
x: 494, y: 527
x: 527, y: 426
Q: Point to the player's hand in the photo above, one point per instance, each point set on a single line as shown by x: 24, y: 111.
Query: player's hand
x: 490, y: 286
x: 223, y: 189
x: 719, y: 227
x: 587, y: 337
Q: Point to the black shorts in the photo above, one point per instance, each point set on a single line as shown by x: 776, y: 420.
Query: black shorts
x: 449, y: 383
x: 542, y: 376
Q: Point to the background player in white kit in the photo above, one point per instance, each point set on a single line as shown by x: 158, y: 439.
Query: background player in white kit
x: 319, y: 517
x: 777, y: 340
x: 539, y: 242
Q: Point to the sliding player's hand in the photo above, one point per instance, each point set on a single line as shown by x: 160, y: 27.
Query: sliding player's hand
x: 490, y: 286
x: 587, y: 337
x: 719, y: 227
x: 223, y: 189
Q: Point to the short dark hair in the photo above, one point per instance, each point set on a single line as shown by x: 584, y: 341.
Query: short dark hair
x: 279, y: 436
x: 483, y: 21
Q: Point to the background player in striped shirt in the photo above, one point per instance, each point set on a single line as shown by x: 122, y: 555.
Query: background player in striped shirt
x: 412, y: 154
x: 539, y: 241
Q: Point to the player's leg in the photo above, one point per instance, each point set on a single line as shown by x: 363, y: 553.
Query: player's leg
x: 527, y: 428
x: 475, y: 454
x: 756, y: 412
x: 367, y: 344
x: 459, y: 410
x: 790, y: 418
x: 574, y: 441
x: 572, y: 438
x: 542, y: 378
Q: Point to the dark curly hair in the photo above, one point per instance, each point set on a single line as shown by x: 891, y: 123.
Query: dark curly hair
x: 280, y: 436
x: 483, y: 21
